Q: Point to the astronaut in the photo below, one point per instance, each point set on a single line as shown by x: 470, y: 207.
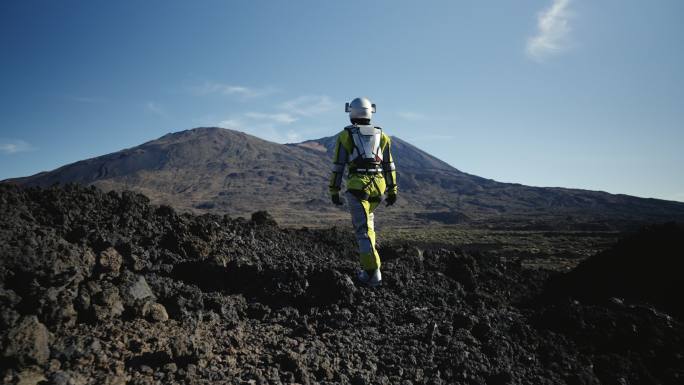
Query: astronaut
x: 364, y: 149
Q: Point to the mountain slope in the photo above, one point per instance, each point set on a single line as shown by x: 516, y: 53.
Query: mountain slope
x: 445, y: 193
x: 206, y: 169
x: 217, y: 170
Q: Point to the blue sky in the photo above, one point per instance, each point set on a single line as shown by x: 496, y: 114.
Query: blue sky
x: 571, y: 93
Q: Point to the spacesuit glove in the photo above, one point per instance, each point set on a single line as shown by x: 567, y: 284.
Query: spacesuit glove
x: 336, y: 199
x: 391, y: 199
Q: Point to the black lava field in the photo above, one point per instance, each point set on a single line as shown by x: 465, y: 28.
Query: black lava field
x: 105, y: 288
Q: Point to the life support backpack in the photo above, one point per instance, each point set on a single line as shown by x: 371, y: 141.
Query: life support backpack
x: 366, y: 155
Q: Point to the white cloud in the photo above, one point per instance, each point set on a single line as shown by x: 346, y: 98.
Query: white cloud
x: 157, y: 109
x: 284, y: 118
x: 9, y: 147
x: 265, y: 130
x: 265, y: 126
x: 208, y: 88
x: 257, y: 119
x: 553, y: 31
x: 276, y: 126
x: 307, y: 105
x: 232, y: 123
x: 293, y: 136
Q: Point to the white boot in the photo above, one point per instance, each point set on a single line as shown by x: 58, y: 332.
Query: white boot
x: 375, y: 279
x: 372, y: 280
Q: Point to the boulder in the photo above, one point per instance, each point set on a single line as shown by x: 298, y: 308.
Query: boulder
x: 30, y: 376
x: 110, y: 261
x: 263, y: 218
x: 27, y: 342
x: 8, y: 300
x: 135, y: 289
x: 155, y: 312
x: 107, y: 304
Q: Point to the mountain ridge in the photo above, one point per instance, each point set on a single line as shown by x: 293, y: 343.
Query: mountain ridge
x: 211, y: 169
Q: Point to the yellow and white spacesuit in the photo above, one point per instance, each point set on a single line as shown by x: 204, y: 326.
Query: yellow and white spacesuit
x: 365, y: 150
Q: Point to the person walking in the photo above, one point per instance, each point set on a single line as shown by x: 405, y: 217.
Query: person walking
x: 365, y: 151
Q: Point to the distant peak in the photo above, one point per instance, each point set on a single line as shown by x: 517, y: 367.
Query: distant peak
x: 207, y: 131
x: 201, y: 131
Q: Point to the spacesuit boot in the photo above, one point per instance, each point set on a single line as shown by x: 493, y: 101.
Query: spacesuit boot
x: 372, y: 279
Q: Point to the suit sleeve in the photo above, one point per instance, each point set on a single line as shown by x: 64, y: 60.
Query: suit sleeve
x: 339, y: 162
x: 388, y: 168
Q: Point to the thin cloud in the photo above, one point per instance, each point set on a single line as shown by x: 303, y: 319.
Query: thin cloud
x: 209, y: 88
x: 276, y: 126
x: 284, y: 118
x: 553, y: 31
x: 9, y: 147
x: 265, y: 126
x: 264, y: 130
x: 157, y: 109
x: 257, y: 119
x: 293, y: 136
x: 231, y: 123
x: 308, y: 105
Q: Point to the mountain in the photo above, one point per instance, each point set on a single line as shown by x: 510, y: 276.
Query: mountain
x: 216, y: 170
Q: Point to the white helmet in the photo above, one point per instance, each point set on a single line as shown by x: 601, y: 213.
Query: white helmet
x: 360, y: 108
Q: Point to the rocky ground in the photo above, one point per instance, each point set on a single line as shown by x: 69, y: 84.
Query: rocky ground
x: 104, y: 288
x: 559, y: 250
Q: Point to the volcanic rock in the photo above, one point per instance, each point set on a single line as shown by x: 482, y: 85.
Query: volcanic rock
x: 110, y: 260
x: 155, y: 312
x: 136, y: 289
x: 645, y: 266
x: 212, y: 299
x: 105, y: 301
x: 30, y: 376
x: 27, y: 342
x: 263, y: 218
